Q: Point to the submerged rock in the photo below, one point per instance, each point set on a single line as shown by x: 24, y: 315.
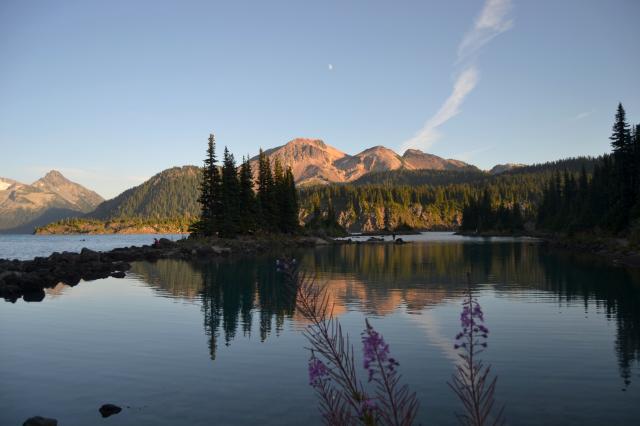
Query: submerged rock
x: 40, y: 421
x: 109, y: 410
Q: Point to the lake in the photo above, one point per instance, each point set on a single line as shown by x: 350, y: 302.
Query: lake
x: 220, y: 343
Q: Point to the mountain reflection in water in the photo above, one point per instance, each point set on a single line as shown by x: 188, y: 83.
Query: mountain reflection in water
x: 379, y: 279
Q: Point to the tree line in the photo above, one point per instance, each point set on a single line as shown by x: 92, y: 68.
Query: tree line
x: 229, y: 204
x: 609, y: 199
x: 480, y: 214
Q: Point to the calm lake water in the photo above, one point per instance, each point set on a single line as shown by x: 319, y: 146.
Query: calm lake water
x: 24, y: 246
x: 219, y: 343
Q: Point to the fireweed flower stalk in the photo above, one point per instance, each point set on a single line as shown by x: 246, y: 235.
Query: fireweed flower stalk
x: 332, y: 368
x: 471, y: 382
x: 396, y: 405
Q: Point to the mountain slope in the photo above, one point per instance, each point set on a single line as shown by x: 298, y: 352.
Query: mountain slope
x: 73, y: 193
x: 415, y: 159
x: 171, y: 193
x: 314, y: 162
x: 53, y: 197
x: 501, y: 168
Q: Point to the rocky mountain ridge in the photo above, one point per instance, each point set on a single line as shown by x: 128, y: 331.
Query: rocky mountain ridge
x: 314, y: 162
x: 52, y: 197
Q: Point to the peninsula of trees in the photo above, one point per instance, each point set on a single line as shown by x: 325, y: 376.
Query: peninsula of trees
x: 231, y: 207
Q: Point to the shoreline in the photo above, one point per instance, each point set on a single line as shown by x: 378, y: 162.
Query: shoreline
x: 29, y: 278
x: 618, y: 251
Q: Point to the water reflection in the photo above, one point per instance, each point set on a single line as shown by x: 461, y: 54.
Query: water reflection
x: 380, y: 279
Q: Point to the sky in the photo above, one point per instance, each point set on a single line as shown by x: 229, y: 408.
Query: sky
x: 111, y: 93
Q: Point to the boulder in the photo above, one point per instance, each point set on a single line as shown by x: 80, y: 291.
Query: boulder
x: 109, y: 410
x: 87, y: 255
x: 118, y: 274
x: 40, y: 421
x: 221, y: 251
x: 165, y: 243
x: 399, y: 241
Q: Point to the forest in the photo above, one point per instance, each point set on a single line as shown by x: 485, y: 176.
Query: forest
x: 431, y: 199
x: 602, y: 199
x: 231, y: 207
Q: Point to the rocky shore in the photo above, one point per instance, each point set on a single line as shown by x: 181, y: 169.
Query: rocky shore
x: 29, y: 278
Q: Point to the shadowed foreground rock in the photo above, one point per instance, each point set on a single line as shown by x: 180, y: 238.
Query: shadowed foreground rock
x: 109, y: 410
x: 29, y: 278
x: 40, y: 421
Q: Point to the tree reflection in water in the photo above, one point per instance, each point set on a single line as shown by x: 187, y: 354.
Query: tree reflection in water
x: 379, y: 279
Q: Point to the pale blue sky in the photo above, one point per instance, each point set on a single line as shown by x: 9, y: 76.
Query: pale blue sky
x: 112, y: 92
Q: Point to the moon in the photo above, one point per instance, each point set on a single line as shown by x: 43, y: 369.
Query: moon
x: 330, y: 67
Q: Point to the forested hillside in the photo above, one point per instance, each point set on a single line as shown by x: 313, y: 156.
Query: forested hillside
x: 171, y: 193
x: 431, y: 199
x: 593, y: 197
x: 424, y: 199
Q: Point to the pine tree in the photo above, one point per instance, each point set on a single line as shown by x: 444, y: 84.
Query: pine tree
x: 279, y: 194
x: 230, y: 197
x: 623, y: 157
x: 266, y: 195
x: 620, y: 138
x: 247, y: 198
x: 209, y: 198
x: 290, y: 208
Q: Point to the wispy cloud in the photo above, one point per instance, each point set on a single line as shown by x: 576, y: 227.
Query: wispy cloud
x: 429, y: 133
x: 583, y: 115
x: 492, y: 20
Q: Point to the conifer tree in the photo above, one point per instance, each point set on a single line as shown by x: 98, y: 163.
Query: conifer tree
x: 230, y: 197
x: 279, y: 194
x: 209, y: 199
x: 620, y: 138
x: 290, y: 209
x: 247, y: 198
x: 266, y: 195
x: 623, y: 157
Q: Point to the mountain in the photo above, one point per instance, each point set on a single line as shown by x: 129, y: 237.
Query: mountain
x: 172, y: 193
x: 415, y: 159
x: 52, y: 197
x: 71, y: 192
x: 501, y: 168
x: 314, y: 162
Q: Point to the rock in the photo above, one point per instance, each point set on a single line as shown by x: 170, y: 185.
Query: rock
x: 221, y: 251
x: 109, y: 410
x: 40, y: 421
x: 118, y: 274
x: 87, y: 255
x: 399, y: 241
x: 165, y: 243
x: 34, y: 296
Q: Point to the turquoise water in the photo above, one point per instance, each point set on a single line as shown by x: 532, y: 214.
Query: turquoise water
x: 204, y: 343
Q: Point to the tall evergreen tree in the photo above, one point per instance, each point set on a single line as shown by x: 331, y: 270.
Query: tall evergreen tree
x: 620, y: 138
x: 279, y: 194
x: 247, y: 198
x: 230, y: 197
x: 623, y: 156
x: 290, y: 208
x: 209, y: 198
x: 266, y: 194
x: 610, y: 200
